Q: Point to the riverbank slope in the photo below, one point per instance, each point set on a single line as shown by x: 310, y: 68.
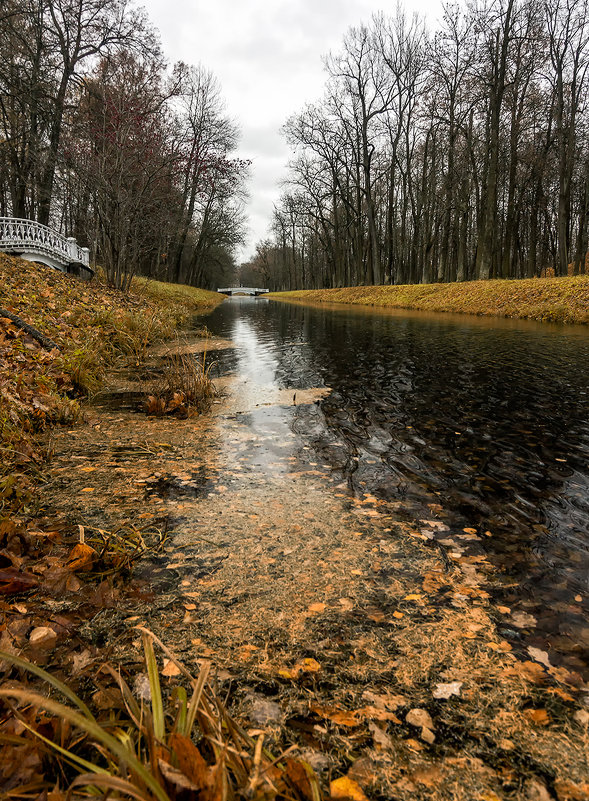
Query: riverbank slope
x: 556, y: 300
x: 91, y: 325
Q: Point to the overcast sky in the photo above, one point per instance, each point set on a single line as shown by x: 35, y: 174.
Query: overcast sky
x: 267, y: 57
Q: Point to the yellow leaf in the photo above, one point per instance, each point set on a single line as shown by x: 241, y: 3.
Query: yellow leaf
x: 398, y: 615
x: 308, y: 665
x: 87, y: 469
x: 316, y: 607
x: 347, y: 788
x: 88, y: 489
x: 413, y: 597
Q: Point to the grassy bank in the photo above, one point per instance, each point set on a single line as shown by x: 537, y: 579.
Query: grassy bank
x: 558, y: 300
x: 91, y: 324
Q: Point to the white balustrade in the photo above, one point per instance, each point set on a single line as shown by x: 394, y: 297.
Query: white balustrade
x: 18, y: 235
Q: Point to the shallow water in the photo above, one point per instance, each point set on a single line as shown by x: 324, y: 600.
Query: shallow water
x: 480, y: 422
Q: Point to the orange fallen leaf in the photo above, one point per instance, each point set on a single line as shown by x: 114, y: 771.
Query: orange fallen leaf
x: 81, y: 557
x: 318, y: 607
x: 346, y: 788
x: 569, y: 791
x: 413, y: 597
x: 342, y: 717
x: 414, y: 745
x: 538, y: 716
x: 532, y: 671
x: 88, y: 489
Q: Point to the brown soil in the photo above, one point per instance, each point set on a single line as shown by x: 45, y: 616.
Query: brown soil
x: 332, y: 625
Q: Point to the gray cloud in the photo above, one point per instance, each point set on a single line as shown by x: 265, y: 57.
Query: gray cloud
x: 268, y: 59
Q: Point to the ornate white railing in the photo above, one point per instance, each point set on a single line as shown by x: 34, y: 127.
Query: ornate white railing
x: 242, y: 290
x: 18, y: 235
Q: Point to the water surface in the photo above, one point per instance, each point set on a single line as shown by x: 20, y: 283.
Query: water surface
x: 480, y: 421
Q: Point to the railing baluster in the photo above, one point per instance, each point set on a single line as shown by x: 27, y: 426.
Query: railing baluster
x: 19, y: 235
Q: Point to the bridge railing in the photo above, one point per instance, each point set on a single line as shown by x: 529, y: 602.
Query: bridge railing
x: 17, y: 233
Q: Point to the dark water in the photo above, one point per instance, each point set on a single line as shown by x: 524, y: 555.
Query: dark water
x: 488, y: 419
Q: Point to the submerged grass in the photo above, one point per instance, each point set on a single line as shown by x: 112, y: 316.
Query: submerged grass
x: 558, y: 300
x: 183, y: 387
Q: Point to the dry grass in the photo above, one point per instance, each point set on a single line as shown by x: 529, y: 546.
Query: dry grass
x: 184, y: 386
x: 560, y: 300
x: 179, y: 743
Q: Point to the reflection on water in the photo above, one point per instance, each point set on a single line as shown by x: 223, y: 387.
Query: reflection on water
x: 487, y: 418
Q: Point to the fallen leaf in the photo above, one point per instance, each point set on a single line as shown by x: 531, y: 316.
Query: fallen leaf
x: 413, y: 597
x: 536, y: 791
x: 430, y: 777
x: 13, y: 581
x: 299, y: 773
x: 445, y: 691
x: 109, y: 698
x: 528, y: 670
x: 341, y: 717
x: 189, y: 759
x: 346, y: 788
x: 380, y: 737
x: 539, y: 656
x: 538, y: 716
x: 569, y: 791
x: 420, y: 718
x: 317, y: 607
x: 506, y: 745
x: 43, y: 637
x: 81, y: 557
x: 170, y: 668
x: 522, y: 620
x: 581, y: 717
x: 414, y: 745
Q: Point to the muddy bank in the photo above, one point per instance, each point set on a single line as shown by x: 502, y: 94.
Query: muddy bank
x: 335, y: 625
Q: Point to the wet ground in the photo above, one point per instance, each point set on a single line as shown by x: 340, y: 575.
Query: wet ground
x: 347, y: 532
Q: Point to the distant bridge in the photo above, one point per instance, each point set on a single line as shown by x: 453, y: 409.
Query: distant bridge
x: 35, y: 242
x: 242, y: 290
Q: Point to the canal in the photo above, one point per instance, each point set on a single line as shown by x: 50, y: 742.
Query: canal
x: 480, y: 424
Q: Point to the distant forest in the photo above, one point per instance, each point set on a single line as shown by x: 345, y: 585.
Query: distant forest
x: 457, y: 155
x: 99, y: 138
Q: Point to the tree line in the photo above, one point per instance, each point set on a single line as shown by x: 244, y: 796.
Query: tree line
x: 447, y: 156
x: 101, y: 139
